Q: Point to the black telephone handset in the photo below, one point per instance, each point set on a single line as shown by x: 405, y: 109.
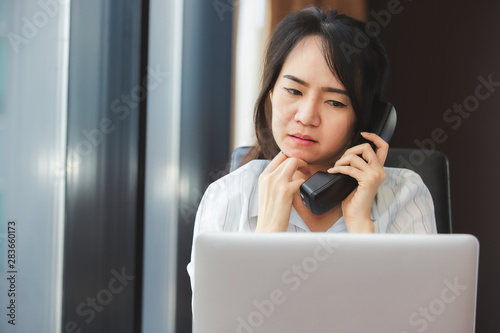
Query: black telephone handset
x: 323, y: 190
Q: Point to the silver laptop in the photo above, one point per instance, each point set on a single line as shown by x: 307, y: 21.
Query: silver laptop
x: 320, y: 282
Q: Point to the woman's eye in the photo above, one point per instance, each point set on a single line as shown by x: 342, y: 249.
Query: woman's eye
x: 336, y: 103
x: 294, y: 92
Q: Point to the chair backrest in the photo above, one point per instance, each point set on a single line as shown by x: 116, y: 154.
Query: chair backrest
x: 431, y: 165
x: 433, y: 168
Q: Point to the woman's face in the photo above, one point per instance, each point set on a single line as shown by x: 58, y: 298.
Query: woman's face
x: 312, y: 115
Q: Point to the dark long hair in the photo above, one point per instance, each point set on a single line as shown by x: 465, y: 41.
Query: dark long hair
x: 355, y: 57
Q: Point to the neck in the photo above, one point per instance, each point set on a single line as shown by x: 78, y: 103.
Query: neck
x: 324, y: 165
x: 313, y: 168
x: 316, y: 223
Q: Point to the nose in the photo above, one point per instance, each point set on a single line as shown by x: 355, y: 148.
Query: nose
x: 308, y: 112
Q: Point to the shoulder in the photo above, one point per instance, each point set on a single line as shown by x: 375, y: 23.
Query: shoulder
x: 244, y: 177
x: 402, y: 185
x: 237, y: 186
x: 229, y: 202
x: 402, y: 177
x: 253, y: 169
x: 404, y: 204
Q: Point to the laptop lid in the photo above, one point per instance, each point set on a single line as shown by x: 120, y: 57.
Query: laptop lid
x: 322, y: 282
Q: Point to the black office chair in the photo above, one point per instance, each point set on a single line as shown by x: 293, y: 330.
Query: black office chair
x: 431, y: 165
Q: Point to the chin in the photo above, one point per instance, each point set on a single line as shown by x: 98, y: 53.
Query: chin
x: 311, y: 159
x: 300, y: 154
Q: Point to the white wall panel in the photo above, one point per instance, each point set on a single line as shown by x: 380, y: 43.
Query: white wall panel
x: 162, y: 167
x: 34, y: 38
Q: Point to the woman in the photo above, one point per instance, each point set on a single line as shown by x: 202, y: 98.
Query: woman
x: 317, y: 93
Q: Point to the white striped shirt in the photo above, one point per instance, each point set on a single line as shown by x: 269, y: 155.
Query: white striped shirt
x: 403, y: 204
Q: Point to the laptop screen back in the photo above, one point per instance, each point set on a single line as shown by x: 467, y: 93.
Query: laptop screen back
x: 320, y: 282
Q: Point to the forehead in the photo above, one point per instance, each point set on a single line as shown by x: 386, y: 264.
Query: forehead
x: 307, y: 61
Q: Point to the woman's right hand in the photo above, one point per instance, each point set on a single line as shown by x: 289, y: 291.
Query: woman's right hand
x: 277, y: 187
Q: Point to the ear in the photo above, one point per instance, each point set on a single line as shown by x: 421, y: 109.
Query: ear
x: 271, y: 93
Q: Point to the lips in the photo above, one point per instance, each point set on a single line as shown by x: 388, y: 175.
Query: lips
x: 304, y: 140
x: 303, y: 137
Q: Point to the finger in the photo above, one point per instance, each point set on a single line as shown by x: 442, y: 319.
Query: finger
x: 296, y: 184
x: 349, y: 162
x: 276, y: 162
x: 365, y: 151
x: 293, y: 164
x: 382, y: 146
x: 347, y: 170
x: 369, y: 176
x: 354, y: 161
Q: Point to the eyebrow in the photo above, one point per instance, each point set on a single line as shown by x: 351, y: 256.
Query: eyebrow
x: 305, y: 84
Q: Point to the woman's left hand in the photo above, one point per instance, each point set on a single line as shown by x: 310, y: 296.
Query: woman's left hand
x: 369, y: 173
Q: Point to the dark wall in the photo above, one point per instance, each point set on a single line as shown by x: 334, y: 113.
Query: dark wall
x: 439, y: 51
